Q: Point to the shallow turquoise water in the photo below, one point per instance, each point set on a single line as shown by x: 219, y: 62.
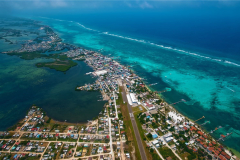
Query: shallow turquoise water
x: 210, y: 85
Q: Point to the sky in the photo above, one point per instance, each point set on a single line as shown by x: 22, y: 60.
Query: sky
x: 32, y: 6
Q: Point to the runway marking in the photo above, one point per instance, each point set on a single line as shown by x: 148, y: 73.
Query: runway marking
x: 131, y: 114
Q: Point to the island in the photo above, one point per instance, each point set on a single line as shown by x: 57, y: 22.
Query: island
x: 135, y: 122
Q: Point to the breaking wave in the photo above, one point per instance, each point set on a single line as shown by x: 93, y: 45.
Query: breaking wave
x: 226, y: 62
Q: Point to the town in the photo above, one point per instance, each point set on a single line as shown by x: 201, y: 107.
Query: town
x: 165, y: 134
x: 135, y: 123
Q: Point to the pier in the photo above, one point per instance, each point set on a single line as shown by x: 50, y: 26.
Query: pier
x: 165, y: 90
x: 182, y: 100
x: 215, y: 129
x: 88, y: 87
x: 222, y: 137
x: 205, y: 123
x: 199, y: 119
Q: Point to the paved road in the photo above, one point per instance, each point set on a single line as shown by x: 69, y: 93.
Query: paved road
x: 134, y: 124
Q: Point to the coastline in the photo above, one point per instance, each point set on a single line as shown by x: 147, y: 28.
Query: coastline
x: 236, y: 153
x: 150, y: 90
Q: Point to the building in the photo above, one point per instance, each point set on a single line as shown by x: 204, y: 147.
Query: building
x: 175, y: 117
x: 132, y: 99
x: 98, y: 73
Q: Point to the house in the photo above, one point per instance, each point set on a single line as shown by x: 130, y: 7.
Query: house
x: 84, y: 150
x: 155, y: 142
x: 225, y: 155
x: 100, y: 150
x: 78, y: 154
x: 221, y: 157
x: 104, y: 149
x: 200, y: 133
x: 193, y: 128
x: 94, y: 151
x: 210, y: 149
x: 154, y: 136
x: 169, y: 158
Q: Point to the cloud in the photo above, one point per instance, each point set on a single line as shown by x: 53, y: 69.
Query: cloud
x: 95, y: 4
x: 145, y: 5
x: 31, y: 4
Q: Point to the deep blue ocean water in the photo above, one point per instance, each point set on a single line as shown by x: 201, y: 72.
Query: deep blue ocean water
x: 195, y: 50
x: 197, y: 55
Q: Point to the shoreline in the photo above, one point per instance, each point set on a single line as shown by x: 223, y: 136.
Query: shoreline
x: 237, y: 153
x: 150, y: 90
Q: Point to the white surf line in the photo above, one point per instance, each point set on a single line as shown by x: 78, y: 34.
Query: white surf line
x: 154, y: 44
x: 229, y: 89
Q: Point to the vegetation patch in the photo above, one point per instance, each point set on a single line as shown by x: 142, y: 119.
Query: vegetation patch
x: 166, y: 152
x: 60, y: 64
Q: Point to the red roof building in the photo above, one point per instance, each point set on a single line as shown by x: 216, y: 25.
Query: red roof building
x: 221, y: 157
x: 219, y: 149
x: 217, y: 152
x: 193, y: 128
x: 225, y: 155
x: 4, y: 146
x: 199, y: 132
x: 210, y: 149
x: 202, y: 138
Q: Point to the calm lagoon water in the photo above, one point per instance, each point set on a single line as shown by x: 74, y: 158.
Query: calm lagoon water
x: 22, y: 84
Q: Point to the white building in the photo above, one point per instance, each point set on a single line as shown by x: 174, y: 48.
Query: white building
x: 175, y: 117
x: 102, y: 72
x: 132, y: 99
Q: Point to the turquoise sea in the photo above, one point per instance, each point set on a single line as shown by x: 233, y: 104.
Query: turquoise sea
x: 193, y: 49
x: 208, y: 82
